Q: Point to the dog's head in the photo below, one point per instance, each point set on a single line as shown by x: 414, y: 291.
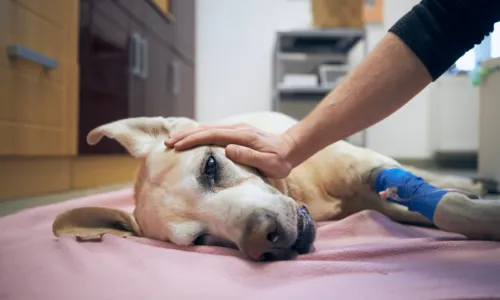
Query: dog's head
x: 194, y: 197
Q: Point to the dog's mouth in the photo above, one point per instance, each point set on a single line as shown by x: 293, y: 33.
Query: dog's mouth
x: 306, y: 232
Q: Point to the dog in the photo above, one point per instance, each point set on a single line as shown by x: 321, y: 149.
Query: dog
x: 200, y: 197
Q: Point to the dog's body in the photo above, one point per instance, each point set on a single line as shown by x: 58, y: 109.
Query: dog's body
x: 333, y: 182
x: 182, y: 196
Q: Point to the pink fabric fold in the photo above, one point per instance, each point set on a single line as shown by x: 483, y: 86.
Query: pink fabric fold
x: 365, y: 256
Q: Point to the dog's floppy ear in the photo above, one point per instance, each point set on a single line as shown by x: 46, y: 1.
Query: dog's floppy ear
x: 93, y: 222
x: 139, y: 135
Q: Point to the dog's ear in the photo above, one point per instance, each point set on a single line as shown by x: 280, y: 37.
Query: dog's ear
x: 139, y: 135
x: 93, y: 222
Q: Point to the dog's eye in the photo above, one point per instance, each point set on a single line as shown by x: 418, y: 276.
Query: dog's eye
x: 211, y: 169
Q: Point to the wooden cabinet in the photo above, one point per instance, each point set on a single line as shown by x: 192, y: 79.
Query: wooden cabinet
x: 136, y: 61
x: 184, y: 91
x: 46, y: 113
x: 184, y: 27
x: 158, y: 100
x: 185, y: 66
x: 38, y: 104
x: 104, y: 78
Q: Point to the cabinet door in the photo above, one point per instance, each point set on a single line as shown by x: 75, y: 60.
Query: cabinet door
x: 159, y: 24
x: 38, y: 105
x: 158, y: 94
x: 136, y: 73
x: 104, y: 62
x: 183, y: 88
x: 184, y: 27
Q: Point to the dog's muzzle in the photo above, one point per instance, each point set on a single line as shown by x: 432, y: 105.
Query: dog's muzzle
x: 265, y: 238
x: 306, y: 232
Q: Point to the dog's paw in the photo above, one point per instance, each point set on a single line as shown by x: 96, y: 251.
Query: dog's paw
x: 478, y: 188
x: 488, y: 186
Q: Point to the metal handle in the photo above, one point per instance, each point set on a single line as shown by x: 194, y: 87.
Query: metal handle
x: 176, y: 80
x: 20, y: 51
x: 135, y: 53
x: 144, y: 60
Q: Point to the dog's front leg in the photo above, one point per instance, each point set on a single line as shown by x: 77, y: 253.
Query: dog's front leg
x: 448, y: 210
x: 476, y: 219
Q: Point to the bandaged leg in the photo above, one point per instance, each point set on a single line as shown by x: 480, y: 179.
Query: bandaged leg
x: 450, y: 211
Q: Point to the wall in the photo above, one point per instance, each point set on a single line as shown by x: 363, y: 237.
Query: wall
x: 234, y: 44
x: 444, y: 117
x: 404, y: 134
x: 233, y: 52
x: 454, y: 114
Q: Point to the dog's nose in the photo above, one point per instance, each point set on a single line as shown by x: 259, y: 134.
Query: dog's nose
x: 264, y: 238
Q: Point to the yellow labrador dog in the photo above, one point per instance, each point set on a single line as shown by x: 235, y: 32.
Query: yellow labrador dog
x: 201, y: 197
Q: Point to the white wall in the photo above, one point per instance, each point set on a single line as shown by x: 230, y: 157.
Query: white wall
x: 233, y: 52
x: 443, y: 117
x: 404, y: 134
x: 234, y: 45
x: 454, y: 104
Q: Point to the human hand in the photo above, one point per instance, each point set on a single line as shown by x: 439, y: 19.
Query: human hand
x: 245, y: 144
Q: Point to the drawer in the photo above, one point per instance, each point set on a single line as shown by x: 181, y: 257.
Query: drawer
x: 26, y: 23
x: 37, y: 107
x: 30, y: 99
x: 28, y: 140
x: 50, y: 10
x: 115, y: 12
x: 158, y: 24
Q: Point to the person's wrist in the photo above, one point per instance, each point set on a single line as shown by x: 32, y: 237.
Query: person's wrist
x: 291, y: 150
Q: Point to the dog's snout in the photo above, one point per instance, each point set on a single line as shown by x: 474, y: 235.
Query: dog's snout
x: 265, y: 238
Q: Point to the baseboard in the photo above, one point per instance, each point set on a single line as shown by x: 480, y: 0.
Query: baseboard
x: 418, y: 163
x: 456, y: 160
x: 444, y: 160
x: 25, y: 177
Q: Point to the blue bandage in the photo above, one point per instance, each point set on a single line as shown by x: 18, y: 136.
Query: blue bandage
x: 424, y: 197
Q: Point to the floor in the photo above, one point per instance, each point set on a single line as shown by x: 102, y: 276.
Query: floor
x: 13, y: 205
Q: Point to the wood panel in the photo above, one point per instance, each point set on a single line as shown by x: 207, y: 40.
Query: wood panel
x: 184, y: 100
x: 185, y: 27
x: 25, y: 177
x: 158, y: 88
x: 104, y: 71
x: 162, y: 4
x: 38, y: 106
x: 93, y: 171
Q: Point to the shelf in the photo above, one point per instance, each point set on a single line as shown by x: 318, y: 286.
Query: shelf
x: 303, y: 52
x: 303, y: 93
x: 337, y: 41
x: 331, y: 58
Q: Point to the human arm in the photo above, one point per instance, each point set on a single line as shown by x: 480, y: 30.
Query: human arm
x: 384, y: 81
x: 416, y: 51
x: 387, y: 79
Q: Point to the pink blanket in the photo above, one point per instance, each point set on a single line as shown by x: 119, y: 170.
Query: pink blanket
x: 365, y: 256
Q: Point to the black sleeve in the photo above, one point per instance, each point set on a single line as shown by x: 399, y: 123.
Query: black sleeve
x: 439, y: 32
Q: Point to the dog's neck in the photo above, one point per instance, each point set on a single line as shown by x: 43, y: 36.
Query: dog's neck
x: 308, y: 185
x: 288, y: 187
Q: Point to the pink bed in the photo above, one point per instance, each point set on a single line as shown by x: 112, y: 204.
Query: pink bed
x: 365, y: 256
